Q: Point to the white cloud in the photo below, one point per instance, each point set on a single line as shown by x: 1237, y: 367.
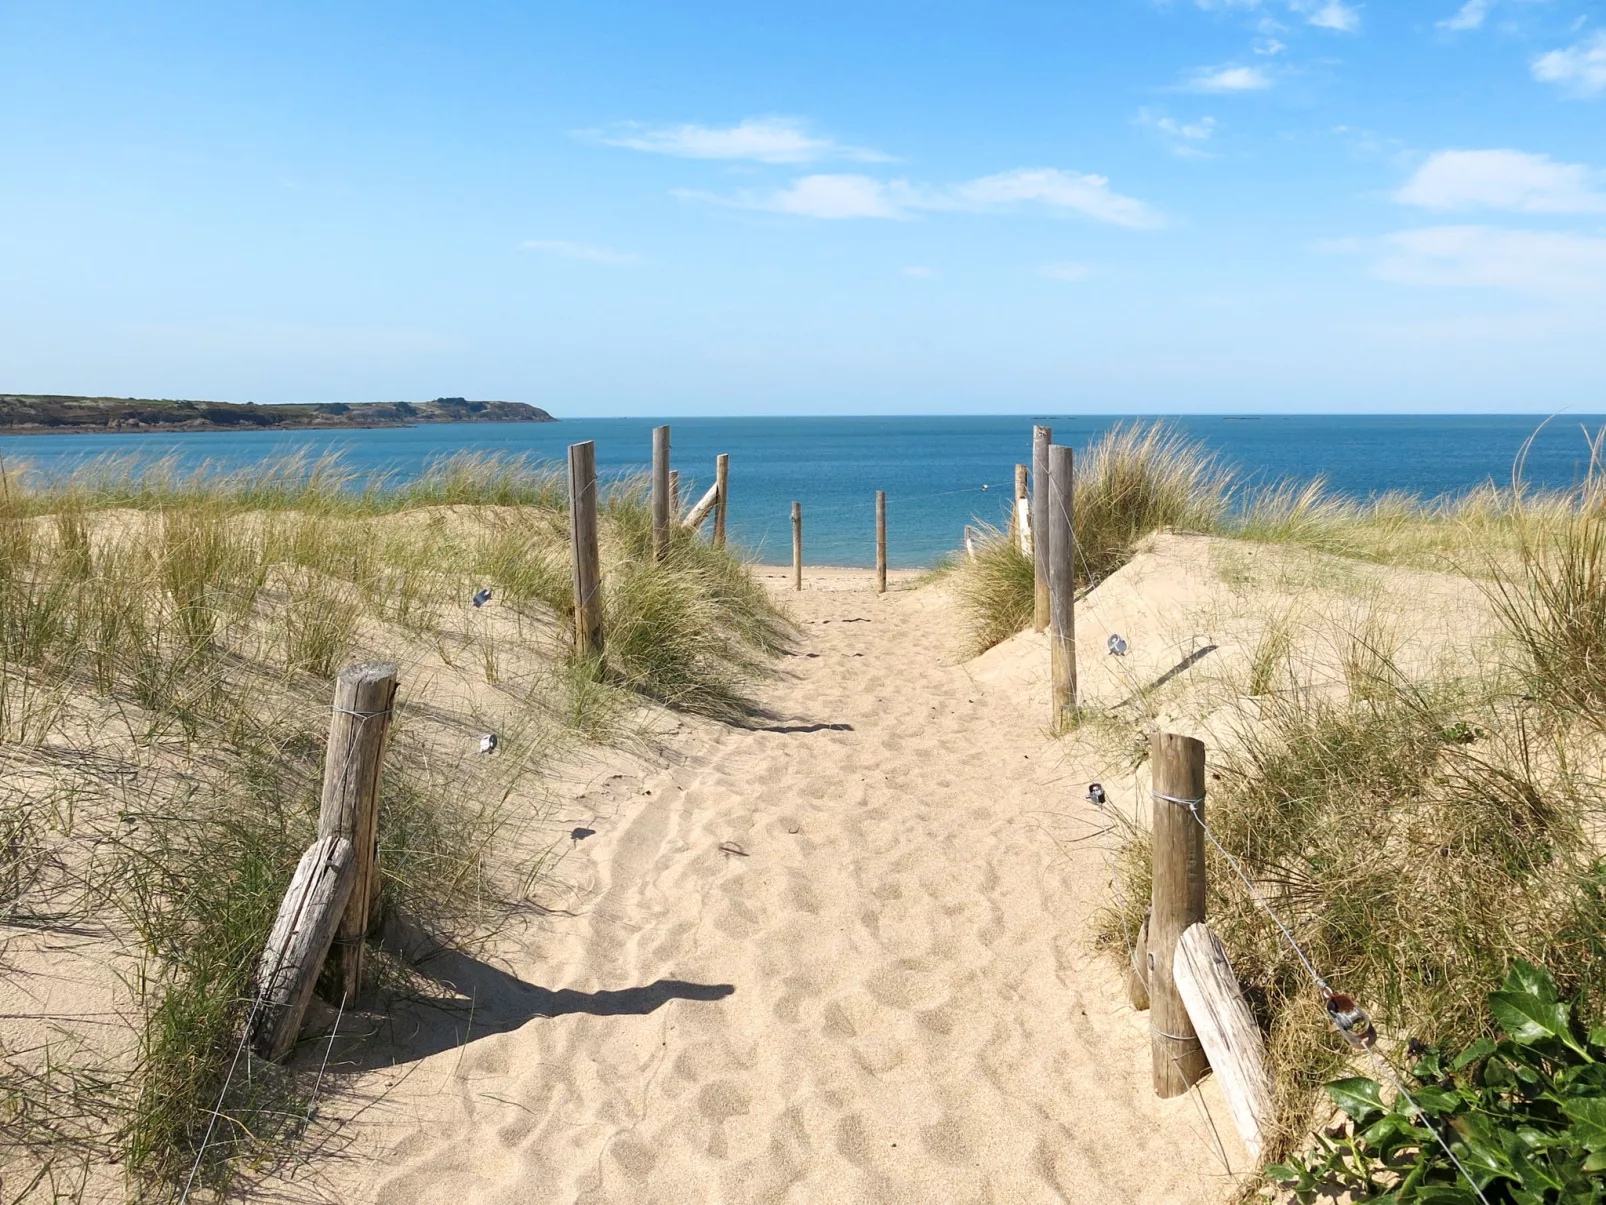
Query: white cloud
x: 1469, y: 16
x: 1502, y: 179
x: 1185, y: 137
x: 919, y: 272
x: 1268, y: 46
x: 1065, y: 271
x: 855, y: 196
x: 1525, y: 261
x: 1227, y: 79
x: 1580, y: 69
x: 596, y: 255
x: 1336, y: 15
x: 761, y: 139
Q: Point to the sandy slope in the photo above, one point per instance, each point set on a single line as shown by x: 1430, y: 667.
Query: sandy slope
x: 841, y: 956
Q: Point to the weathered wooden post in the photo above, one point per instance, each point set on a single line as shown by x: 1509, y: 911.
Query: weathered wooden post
x: 1062, y: 587
x: 1178, y: 901
x: 660, y: 492
x: 299, y: 943
x: 797, y: 545
x: 1020, y: 519
x: 1042, y: 437
x: 881, y: 541
x: 722, y: 464
x: 1227, y: 1031
x: 674, y: 495
x: 349, y: 808
x: 584, y: 554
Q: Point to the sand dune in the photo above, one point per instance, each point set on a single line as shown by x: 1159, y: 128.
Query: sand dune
x: 841, y: 955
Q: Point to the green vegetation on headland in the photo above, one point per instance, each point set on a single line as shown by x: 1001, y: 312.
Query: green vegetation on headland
x: 30, y: 412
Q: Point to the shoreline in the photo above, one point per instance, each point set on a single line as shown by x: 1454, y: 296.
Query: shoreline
x: 254, y: 429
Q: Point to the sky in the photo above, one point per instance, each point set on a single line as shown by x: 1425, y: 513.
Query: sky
x: 1120, y: 206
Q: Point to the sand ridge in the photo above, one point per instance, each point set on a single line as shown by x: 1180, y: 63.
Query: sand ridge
x: 842, y: 954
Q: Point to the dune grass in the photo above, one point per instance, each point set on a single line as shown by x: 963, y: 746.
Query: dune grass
x: 188, y: 623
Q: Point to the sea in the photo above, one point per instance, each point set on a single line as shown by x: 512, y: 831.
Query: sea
x: 940, y: 473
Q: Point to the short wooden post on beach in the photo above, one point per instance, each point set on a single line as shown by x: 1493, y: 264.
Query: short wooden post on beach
x: 1042, y: 437
x: 299, y: 943
x: 1227, y: 1031
x: 1062, y: 587
x: 1020, y: 519
x: 674, y: 495
x: 584, y: 553
x: 722, y: 464
x: 349, y: 808
x: 660, y: 492
x: 1178, y: 901
x: 881, y: 541
x: 704, y: 508
x: 797, y: 545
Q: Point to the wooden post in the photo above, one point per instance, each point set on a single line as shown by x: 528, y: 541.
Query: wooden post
x: 674, y: 495
x: 722, y: 464
x: 1137, y: 982
x: 660, y: 492
x: 705, y: 505
x: 364, y: 693
x: 584, y: 554
x: 1042, y: 437
x: 797, y: 545
x: 1227, y: 1031
x: 1020, y: 519
x: 1062, y: 587
x: 1177, y: 844
x: 881, y: 541
x: 300, y: 941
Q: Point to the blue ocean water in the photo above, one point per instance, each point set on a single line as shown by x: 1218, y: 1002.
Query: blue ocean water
x: 939, y: 472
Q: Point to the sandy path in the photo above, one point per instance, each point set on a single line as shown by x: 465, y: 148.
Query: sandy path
x: 880, y: 984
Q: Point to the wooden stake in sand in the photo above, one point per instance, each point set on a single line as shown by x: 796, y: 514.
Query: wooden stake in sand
x: 1042, y: 437
x: 1227, y: 1031
x: 881, y: 541
x: 585, y: 556
x: 1061, y: 588
x: 797, y: 545
x: 299, y: 943
x: 1020, y: 520
x: 704, y: 508
x: 674, y: 495
x: 722, y: 464
x: 1177, y: 841
x: 660, y: 492
x: 364, y: 693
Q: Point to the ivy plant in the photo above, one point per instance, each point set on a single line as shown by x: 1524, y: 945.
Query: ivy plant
x: 1525, y: 1116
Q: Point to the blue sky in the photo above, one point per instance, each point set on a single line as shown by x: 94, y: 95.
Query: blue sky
x: 705, y: 208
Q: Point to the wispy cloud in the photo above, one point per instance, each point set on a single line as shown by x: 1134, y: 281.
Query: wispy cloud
x: 568, y: 250
x: 845, y: 196
x: 759, y: 139
x: 1227, y: 79
x: 1186, y: 138
x: 1469, y: 16
x: 1503, y: 179
x: 1324, y: 14
x: 1525, y: 261
x: 1065, y: 271
x: 1579, y: 69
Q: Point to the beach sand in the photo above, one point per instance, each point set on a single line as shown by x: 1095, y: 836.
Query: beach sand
x: 844, y: 954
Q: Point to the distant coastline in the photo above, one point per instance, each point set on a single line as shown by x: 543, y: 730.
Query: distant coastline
x: 64, y: 414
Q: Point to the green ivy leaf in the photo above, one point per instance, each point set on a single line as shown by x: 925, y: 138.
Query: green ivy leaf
x: 1528, y: 1018
x: 1588, y: 1116
x: 1281, y: 1172
x: 1524, y: 977
x: 1360, y: 1098
x: 1436, y: 1102
x: 1596, y: 1162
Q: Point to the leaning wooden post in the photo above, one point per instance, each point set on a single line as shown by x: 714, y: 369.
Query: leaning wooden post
x: 660, y: 492
x: 674, y: 495
x: 299, y: 943
x: 881, y: 541
x: 797, y: 545
x: 364, y: 693
x: 1020, y: 519
x: 584, y: 554
x: 1062, y: 587
x: 1042, y: 437
x: 1227, y: 1031
x: 1178, y: 901
x: 722, y: 464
